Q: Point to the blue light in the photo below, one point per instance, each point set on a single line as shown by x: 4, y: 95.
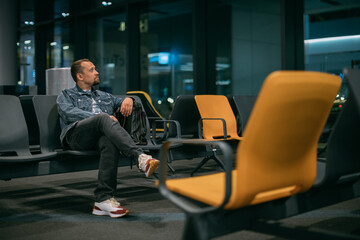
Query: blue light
x: 154, y: 58
x: 164, y: 58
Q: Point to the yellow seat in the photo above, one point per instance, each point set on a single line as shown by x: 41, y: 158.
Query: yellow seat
x: 150, y: 110
x: 213, y: 109
x: 277, y: 156
x: 217, y: 122
x: 147, y: 102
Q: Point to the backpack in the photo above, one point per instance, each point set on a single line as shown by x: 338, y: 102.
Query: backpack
x: 135, y: 124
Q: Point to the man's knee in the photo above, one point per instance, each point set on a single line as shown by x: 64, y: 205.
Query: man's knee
x: 102, y: 119
x: 101, y: 116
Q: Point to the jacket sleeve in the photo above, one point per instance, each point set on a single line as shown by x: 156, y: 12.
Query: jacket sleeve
x: 117, y: 101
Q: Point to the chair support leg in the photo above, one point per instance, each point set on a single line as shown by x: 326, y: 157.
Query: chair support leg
x: 170, y: 158
x: 196, y: 228
x: 171, y: 168
x: 207, y: 158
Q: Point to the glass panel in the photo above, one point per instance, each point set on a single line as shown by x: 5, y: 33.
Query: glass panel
x: 166, y: 53
x: 332, y: 43
x: 107, y: 51
x: 332, y: 36
x: 223, y: 49
x: 26, y: 51
x: 61, y: 8
x: 26, y: 44
x: 252, y: 40
x: 60, y: 50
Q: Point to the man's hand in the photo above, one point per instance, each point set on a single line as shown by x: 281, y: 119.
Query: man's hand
x: 113, y: 118
x: 126, y: 107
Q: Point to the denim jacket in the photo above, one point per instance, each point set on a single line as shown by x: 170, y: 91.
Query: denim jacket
x: 74, y: 104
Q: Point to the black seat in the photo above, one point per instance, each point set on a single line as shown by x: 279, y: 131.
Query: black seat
x: 342, y: 159
x: 49, y: 127
x: 31, y: 122
x: 244, y: 104
x: 14, y: 138
x: 187, y: 114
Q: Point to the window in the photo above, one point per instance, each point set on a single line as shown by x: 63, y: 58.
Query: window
x: 255, y: 40
x: 60, y: 50
x: 332, y: 38
x: 166, y: 52
x: 106, y: 39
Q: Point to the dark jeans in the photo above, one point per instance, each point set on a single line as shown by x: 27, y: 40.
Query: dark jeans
x: 102, y: 133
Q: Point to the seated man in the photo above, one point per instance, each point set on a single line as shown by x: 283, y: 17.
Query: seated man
x: 87, y: 123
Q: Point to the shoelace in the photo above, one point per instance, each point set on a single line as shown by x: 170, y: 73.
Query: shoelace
x: 114, y: 202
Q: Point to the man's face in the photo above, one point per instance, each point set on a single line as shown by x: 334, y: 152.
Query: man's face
x: 89, y: 76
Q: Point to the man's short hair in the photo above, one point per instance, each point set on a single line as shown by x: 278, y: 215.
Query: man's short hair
x: 77, y: 68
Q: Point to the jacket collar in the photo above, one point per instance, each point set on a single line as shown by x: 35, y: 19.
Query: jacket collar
x: 82, y: 92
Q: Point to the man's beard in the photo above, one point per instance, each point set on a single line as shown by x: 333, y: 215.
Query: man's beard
x: 97, y: 81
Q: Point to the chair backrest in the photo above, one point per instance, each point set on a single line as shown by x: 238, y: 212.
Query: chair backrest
x: 30, y: 118
x: 216, y: 106
x: 48, y: 119
x: 277, y: 157
x: 187, y: 114
x: 14, y: 136
x: 244, y: 105
x: 343, y: 155
x: 353, y: 79
x: 147, y: 103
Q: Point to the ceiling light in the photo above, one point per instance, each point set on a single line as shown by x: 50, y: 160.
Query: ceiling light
x: 106, y: 3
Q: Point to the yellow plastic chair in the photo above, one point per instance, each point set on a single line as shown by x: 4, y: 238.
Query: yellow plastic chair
x: 147, y: 103
x: 150, y: 110
x: 217, y: 118
x: 275, y: 159
x: 217, y: 122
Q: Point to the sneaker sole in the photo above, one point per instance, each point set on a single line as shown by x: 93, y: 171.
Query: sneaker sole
x: 153, y: 166
x: 105, y: 213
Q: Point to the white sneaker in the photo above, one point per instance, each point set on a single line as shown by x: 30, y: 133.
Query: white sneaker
x: 109, y: 207
x: 148, y: 164
x: 115, y: 202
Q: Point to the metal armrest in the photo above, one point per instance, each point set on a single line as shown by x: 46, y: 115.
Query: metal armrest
x: 164, y: 137
x: 182, y: 202
x: 200, y: 126
x: 156, y: 118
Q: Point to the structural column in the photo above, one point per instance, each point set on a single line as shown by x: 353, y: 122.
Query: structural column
x: 8, y: 51
x: 204, y: 55
x: 292, y: 35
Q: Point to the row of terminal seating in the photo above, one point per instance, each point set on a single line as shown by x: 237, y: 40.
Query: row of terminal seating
x: 30, y: 143
x: 276, y: 171
x: 36, y: 139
